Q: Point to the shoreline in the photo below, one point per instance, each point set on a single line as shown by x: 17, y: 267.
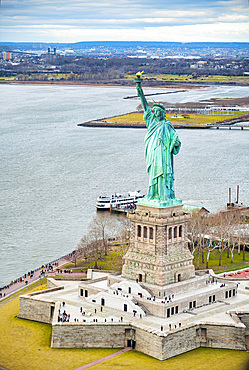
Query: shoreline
x: 103, y: 123
x: 130, y: 83
x: 33, y: 276
x: 108, y: 84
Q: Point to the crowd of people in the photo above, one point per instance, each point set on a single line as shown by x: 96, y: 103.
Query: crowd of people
x: 26, y: 278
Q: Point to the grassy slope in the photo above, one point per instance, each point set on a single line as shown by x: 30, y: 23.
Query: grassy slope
x: 199, y: 359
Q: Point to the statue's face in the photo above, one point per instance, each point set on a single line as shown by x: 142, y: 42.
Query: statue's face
x: 159, y: 113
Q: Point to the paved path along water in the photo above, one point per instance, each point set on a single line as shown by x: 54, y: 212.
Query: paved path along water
x: 32, y: 278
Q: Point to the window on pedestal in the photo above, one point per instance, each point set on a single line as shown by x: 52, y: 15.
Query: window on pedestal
x: 151, y: 233
x: 51, y: 312
x: 145, y: 232
x: 139, y: 231
x: 180, y: 231
x: 170, y: 233
x: 175, y: 232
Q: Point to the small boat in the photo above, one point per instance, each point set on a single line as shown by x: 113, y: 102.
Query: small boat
x: 118, y: 201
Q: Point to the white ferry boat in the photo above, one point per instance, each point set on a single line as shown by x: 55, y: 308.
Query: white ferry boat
x: 118, y: 201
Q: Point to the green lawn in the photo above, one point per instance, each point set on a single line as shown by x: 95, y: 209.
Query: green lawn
x: 189, y: 78
x: 187, y: 120
x: 113, y: 261
x: 226, y: 265
x: 199, y: 359
x: 25, y: 345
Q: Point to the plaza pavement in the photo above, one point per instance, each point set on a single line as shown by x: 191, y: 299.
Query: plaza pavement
x: 216, y: 312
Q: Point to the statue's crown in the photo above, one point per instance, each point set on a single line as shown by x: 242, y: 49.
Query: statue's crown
x: 159, y: 105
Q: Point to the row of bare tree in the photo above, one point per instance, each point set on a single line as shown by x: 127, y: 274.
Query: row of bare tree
x: 221, y: 231
x: 102, y: 231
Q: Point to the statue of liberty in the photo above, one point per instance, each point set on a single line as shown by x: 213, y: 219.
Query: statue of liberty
x: 161, y: 143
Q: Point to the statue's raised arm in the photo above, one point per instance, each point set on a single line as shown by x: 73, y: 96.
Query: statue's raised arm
x: 140, y: 92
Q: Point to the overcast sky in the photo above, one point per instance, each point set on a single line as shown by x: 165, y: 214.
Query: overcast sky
x: 124, y: 20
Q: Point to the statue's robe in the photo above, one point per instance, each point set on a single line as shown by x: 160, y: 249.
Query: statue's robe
x: 161, y: 143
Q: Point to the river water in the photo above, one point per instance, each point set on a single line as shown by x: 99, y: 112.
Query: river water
x: 52, y: 171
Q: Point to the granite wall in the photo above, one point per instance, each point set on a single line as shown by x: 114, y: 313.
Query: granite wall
x: 89, y: 335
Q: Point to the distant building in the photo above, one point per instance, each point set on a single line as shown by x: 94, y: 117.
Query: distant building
x: 7, y: 55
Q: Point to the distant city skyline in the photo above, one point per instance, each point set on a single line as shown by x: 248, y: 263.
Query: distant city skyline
x: 125, y: 20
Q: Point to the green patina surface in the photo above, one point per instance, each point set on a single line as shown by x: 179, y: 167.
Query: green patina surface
x: 161, y: 144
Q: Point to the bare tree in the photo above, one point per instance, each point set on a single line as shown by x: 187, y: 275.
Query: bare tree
x: 210, y: 240
x: 197, y: 228
x: 99, y: 228
x: 74, y: 256
x: 124, y: 228
x: 85, y: 245
x: 220, y: 231
x: 193, y: 231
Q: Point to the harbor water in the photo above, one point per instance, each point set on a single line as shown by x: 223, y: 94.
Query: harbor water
x: 52, y: 170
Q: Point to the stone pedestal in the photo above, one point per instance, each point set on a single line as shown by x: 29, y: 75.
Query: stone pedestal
x: 158, y: 252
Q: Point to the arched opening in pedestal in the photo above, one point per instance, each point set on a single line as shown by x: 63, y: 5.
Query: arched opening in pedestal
x: 179, y: 277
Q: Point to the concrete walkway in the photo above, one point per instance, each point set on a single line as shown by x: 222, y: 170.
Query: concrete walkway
x: 15, y: 287
x: 126, y: 349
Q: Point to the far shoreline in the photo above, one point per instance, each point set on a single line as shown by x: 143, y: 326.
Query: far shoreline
x: 161, y: 85
x: 129, y: 83
x: 113, y: 85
